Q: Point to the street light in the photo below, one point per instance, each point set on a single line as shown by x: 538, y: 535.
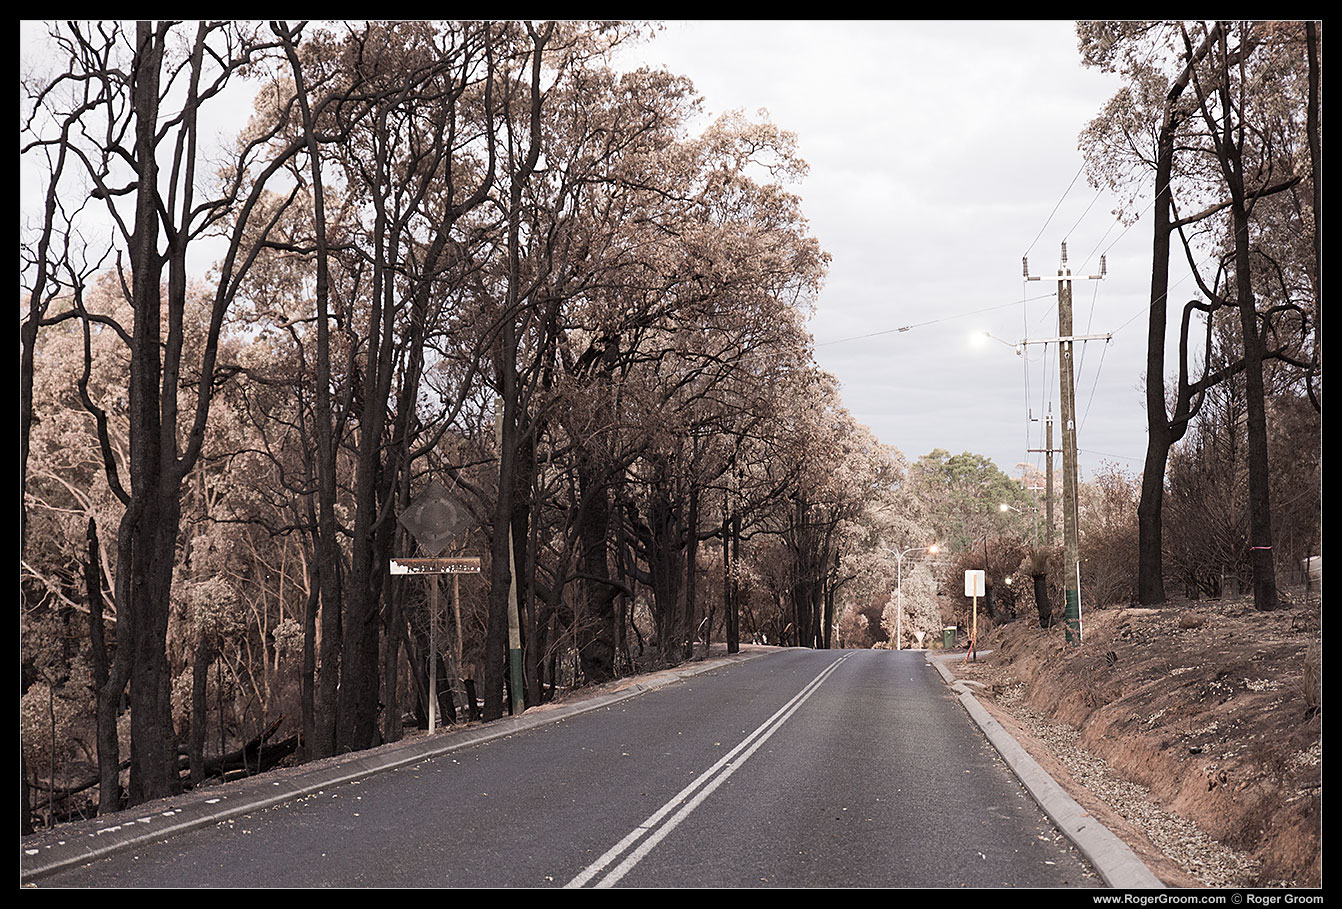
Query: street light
x: 899, y: 589
x: 979, y: 337
x: 1004, y: 507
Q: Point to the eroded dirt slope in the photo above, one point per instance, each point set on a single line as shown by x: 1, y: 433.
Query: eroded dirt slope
x: 1208, y: 709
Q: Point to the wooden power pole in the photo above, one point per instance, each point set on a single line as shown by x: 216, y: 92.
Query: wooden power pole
x: 1048, y: 451
x: 1067, y: 397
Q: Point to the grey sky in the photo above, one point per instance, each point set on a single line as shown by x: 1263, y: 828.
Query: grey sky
x: 940, y: 154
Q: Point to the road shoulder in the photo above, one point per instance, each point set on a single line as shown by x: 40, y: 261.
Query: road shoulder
x: 1116, y: 863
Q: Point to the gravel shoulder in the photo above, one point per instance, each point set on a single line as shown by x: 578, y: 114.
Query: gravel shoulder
x: 1193, y: 732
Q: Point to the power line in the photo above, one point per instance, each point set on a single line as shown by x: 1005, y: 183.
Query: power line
x: 1094, y: 385
x: 890, y: 331
x: 1147, y: 307
x: 1046, y: 386
x: 1098, y: 193
x: 1055, y: 209
x: 1107, y: 454
x: 1090, y: 319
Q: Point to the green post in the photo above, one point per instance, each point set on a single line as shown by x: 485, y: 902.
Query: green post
x: 1072, y: 616
x: 514, y: 635
x: 514, y: 626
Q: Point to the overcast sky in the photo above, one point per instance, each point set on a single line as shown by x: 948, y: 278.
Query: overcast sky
x: 941, y: 153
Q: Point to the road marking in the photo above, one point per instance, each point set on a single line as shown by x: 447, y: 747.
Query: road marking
x: 658, y: 825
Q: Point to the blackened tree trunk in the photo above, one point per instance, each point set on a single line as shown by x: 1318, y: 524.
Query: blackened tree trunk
x: 203, y: 654
x: 1160, y: 435
x: 1260, y: 510
x: 686, y: 629
x: 666, y: 562
x: 319, y: 701
x: 105, y: 706
x: 597, y: 633
x: 1225, y: 121
x: 732, y: 616
x: 506, y: 376
x: 146, y: 542
x: 1161, y: 432
x: 1041, y: 601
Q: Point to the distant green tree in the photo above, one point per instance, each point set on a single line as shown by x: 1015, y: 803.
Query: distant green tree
x: 964, y: 494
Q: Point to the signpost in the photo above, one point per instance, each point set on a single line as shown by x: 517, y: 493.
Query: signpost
x: 470, y: 565
x: 433, y: 519
x: 974, y: 587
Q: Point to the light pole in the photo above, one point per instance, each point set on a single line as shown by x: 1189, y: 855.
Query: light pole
x: 899, y: 589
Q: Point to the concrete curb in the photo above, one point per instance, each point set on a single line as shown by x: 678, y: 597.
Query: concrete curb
x: 1115, y: 862
x: 76, y: 844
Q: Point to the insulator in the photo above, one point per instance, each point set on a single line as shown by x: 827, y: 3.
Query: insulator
x: 1025, y: 265
x: 1104, y: 268
x: 1064, y: 252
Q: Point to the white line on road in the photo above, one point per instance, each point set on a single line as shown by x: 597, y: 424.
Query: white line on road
x: 658, y: 825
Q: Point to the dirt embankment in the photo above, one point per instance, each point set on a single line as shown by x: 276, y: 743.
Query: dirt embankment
x: 1206, y: 716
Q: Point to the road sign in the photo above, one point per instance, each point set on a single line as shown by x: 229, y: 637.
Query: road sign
x: 434, y: 518
x: 433, y: 568
x: 974, y: 583
x: 467, y: 565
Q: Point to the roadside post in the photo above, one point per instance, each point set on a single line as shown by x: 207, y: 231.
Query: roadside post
x: 974, y: 587
x: 1067, y: 398
x: 433, y: 519
x: 433, y: 568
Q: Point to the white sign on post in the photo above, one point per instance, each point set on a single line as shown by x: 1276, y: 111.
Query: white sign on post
x: 974, y: 583
x: 468, y: 565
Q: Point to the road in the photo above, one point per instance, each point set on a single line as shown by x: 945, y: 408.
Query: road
x: 795, y: 769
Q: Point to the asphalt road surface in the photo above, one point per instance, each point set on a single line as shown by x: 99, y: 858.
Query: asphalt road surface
x: 796, y: 769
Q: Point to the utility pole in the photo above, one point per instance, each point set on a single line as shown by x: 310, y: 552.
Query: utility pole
x: 1048, y: 451
x: 1067, y: 397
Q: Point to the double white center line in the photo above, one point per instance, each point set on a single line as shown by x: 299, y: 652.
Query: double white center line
x: 648, y: 834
